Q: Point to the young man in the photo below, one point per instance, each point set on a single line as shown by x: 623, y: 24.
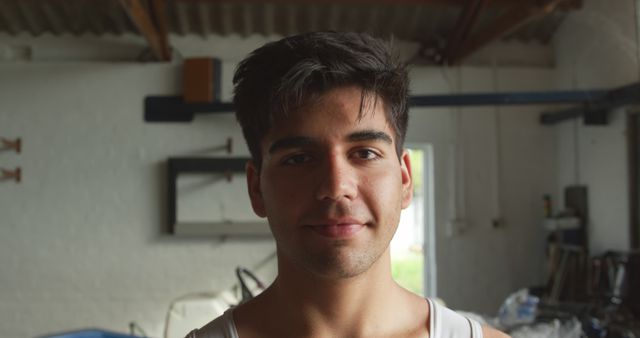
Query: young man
x: 324, y: 116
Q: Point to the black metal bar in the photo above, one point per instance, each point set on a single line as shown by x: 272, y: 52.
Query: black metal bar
x: 596, y: 111
x: 633, y: 150
x: 174, y: 109
x: 172, y: 180
x: 514, y: 98
x: 553, y: 118
x: 594, y: 102
x: 624, y: 95
x: 204, y: 165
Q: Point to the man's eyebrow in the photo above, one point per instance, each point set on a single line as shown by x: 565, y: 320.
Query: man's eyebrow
x: 301, y: 141
x: 370, y: 135
x: 290, y: 142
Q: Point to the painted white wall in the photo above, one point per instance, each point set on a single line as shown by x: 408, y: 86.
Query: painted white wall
x: 597, y: 47
x: 82, y: 242
x: 481, y: 265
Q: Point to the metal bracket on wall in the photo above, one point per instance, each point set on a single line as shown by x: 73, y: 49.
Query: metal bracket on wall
x: 15, y: 145
x: 15, y: 175
x: 596, y: 110
x: 225, y: 166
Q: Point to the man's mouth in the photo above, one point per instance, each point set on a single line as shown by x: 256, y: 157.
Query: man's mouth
x: 337, y: 228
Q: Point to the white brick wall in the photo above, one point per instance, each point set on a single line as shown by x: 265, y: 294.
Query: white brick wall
x: 81, y: 242
x: 597, y: 47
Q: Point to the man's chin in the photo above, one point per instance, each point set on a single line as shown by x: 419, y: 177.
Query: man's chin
x: 338, y: 265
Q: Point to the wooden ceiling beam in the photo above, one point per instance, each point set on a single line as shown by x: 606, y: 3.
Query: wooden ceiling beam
x: 52, y: 17
x: 513, y: 18
x: 159, y: 17
x: 204, y: 12
x: 457, y: 3
x: 152, y: 24
x: 182, y: 19
x: 467, y: 19
x: 12, y: 23
x: 27, y: 11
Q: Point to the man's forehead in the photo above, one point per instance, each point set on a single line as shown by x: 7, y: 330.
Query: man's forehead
x: 337, y: 113
x: 366, y: 100
x: 296, y: 141
x: 353, y: 129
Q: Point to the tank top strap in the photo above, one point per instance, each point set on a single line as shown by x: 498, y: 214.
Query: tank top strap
x: 476, y: 328
x: 446, y: 323
x: 434, y: 325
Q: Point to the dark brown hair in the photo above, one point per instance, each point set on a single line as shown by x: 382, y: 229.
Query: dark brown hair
x: 284, y: 75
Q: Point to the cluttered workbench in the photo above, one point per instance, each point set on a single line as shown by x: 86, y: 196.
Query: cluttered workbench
x: 586, y: 295
x: 592, y: 297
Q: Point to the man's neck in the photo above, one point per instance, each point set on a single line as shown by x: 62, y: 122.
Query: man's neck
x: 318, y: 306
x: 336, y: 299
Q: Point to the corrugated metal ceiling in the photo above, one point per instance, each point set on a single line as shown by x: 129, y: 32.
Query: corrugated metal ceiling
x: 415, y: 21
x: 448, y: 31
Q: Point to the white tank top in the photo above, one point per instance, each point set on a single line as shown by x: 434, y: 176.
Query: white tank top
x: 443, y: 323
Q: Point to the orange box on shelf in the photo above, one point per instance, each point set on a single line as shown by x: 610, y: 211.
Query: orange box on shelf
x: 202, y: 80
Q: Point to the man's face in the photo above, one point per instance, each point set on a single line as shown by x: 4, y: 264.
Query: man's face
x: 331, y: 185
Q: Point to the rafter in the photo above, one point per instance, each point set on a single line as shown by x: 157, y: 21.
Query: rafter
x: 52, y: 17
x: 159, y: 18
x: 182, y: 18
x: 11, y: 21
x: 248, y: 20
x: 466, y: 21
x: 26, y: 9
x: 458, y: 3
x: 204, y: 12
x: 151, y: 24
x: 226, y: 11
x: 513, y: 18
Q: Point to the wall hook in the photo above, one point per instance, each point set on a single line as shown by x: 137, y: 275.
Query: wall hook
x: 15, y: 174
x: 11, y: 144
x: 229, y: 145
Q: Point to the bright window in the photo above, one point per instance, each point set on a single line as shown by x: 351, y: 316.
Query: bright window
x: 408, y: 244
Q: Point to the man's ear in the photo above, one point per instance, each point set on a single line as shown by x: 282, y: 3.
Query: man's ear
x: 255, y: 193
x: 407, y: 179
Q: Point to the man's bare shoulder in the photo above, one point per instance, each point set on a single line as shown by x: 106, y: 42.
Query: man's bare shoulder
x: 489, y: 332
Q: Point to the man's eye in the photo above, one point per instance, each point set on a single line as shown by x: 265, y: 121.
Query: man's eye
x: 297, y: 159
x: 366, y: 154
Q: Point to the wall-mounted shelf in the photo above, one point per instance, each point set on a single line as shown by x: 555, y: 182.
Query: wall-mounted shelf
x: 221, y: 229
x: 175, y: 109
x: 227, y: 166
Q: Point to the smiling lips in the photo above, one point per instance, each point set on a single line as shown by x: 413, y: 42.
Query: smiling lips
x: 342, y: 228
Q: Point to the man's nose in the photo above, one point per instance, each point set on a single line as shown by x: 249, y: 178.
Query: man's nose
x: 337, y: 179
